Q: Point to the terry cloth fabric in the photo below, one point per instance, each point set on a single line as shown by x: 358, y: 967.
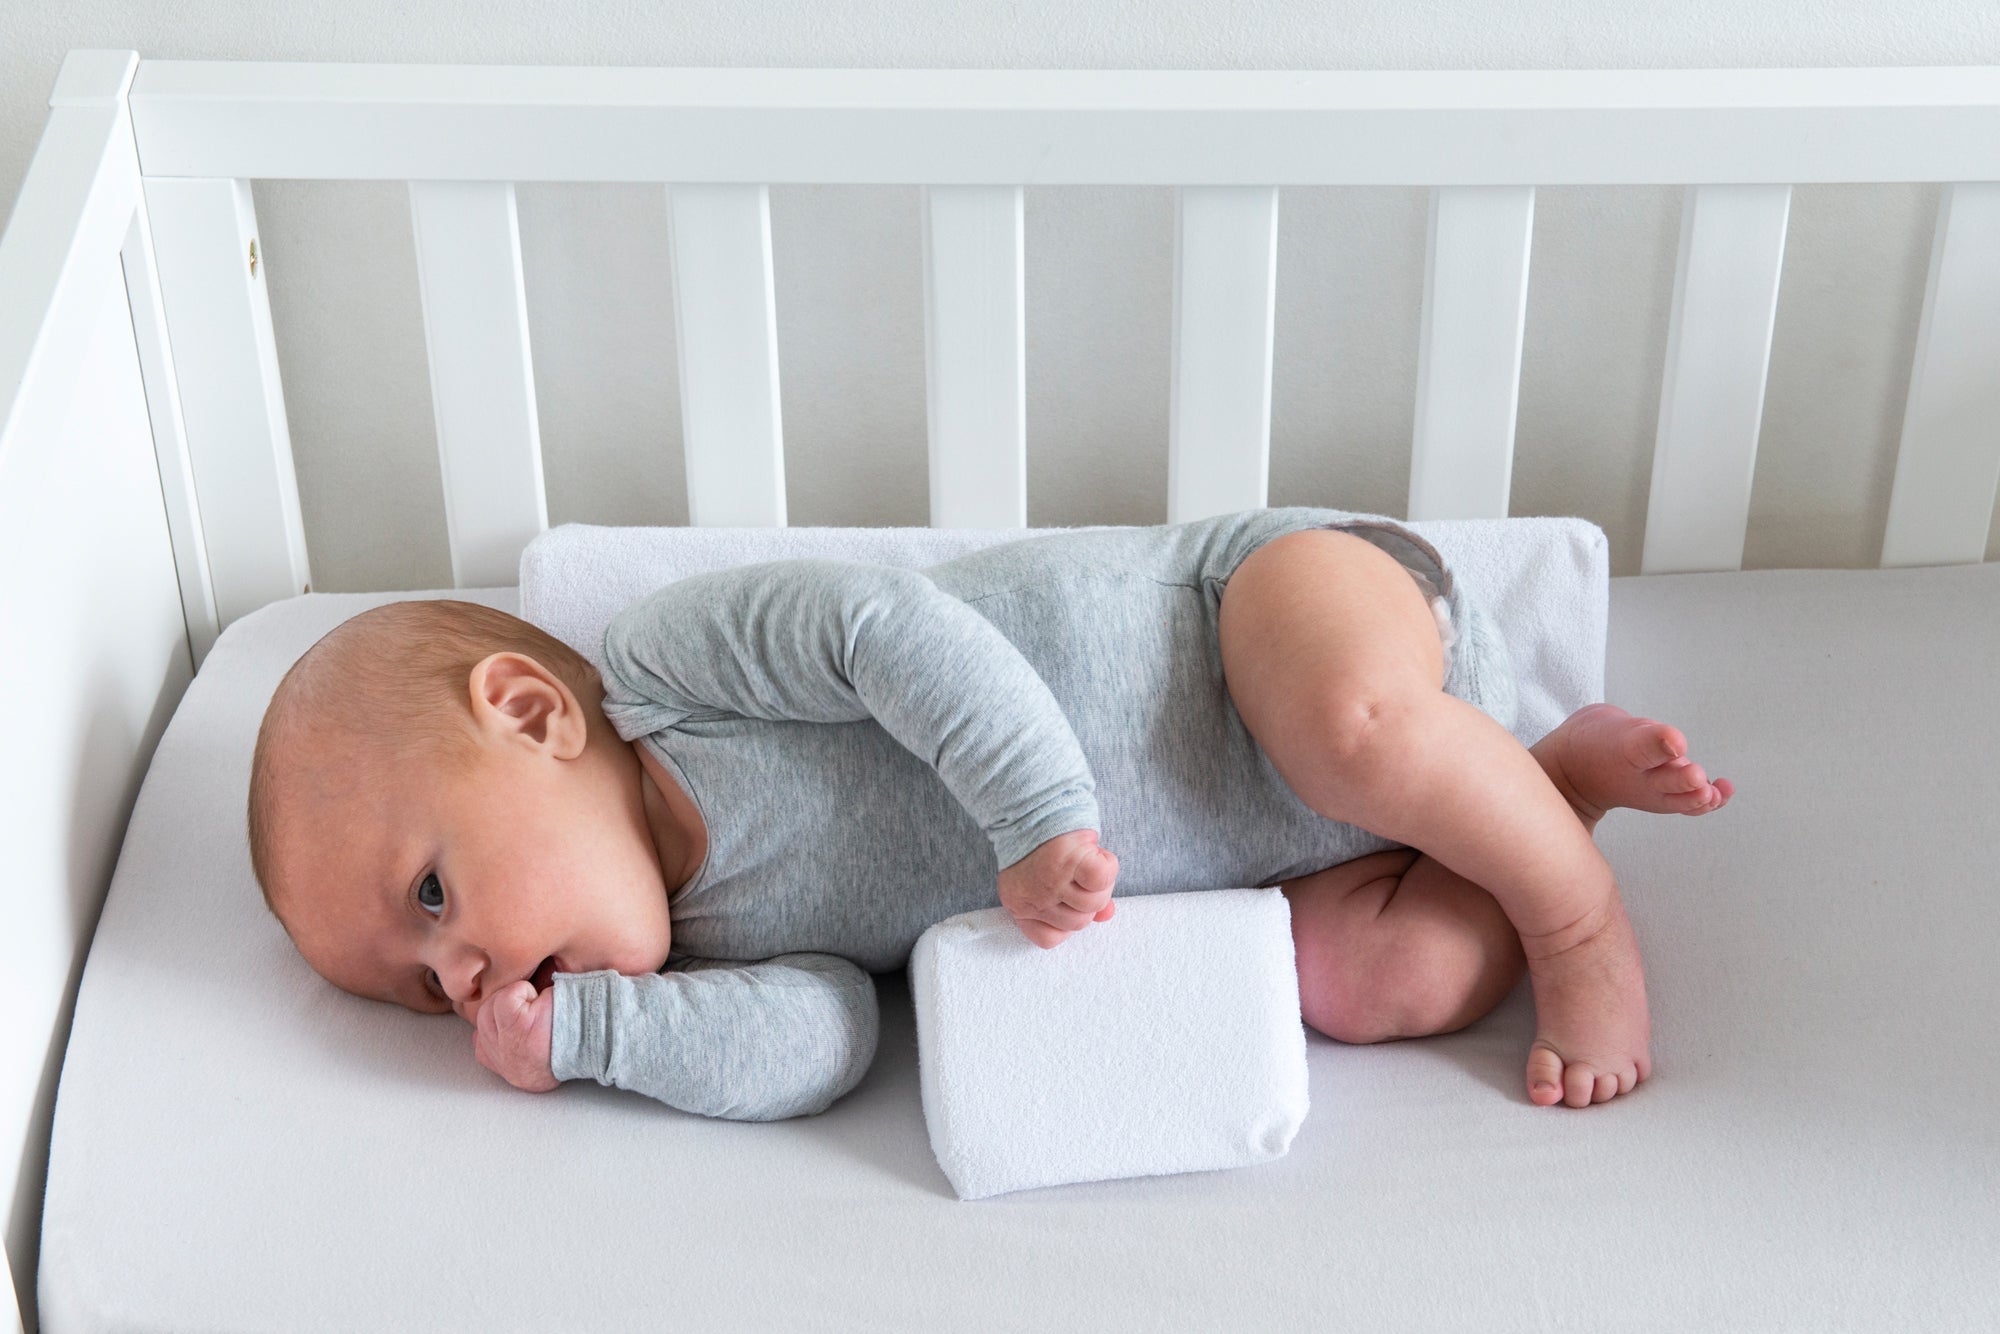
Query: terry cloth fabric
x: 1167, y: 1039
x: 1546, y: 582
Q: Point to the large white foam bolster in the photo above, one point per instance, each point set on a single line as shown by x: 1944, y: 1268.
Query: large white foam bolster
x: 1167, y: 1039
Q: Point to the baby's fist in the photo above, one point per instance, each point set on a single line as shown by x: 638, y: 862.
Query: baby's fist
x: 513, y: 1033
x: 1060, y: 888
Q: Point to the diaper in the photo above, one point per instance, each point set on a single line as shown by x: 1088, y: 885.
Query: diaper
x: 1425, y: 565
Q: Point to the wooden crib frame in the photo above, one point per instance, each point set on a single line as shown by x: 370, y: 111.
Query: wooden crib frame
x: 147, y: 494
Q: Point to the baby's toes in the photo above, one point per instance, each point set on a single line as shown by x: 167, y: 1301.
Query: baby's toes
x: 1652, y: 744
x: 1545, y: 1075
x: 1718, y: 794
x: 1580, y: 1084
x: 1683, y: 783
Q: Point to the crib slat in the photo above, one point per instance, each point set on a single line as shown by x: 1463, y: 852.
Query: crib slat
x: 726, y: 325
x: 1948, y: 466
x: 233, y: 410
x: 1718, y: 356
x: 975, y: 356
x: 482, y: 378
x: 1469, y: 351
x: 1225, y: 298
x: 170, y: 449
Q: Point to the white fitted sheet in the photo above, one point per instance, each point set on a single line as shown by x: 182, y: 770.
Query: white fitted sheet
x: 239, y: 1145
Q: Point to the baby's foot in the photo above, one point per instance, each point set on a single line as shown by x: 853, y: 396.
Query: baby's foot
x: 1602, y: 757
x: 1593, y: 1031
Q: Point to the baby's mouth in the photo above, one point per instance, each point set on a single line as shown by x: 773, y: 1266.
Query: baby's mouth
x: 546, y: 973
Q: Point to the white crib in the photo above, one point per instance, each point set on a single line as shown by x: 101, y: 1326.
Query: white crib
x: 148, y: 502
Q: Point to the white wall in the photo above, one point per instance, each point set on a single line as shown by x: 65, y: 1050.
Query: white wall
x: 350, y: 339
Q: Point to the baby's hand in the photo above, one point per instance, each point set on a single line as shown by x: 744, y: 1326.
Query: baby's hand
x: 1060, y: 888
x: 512, y: 1035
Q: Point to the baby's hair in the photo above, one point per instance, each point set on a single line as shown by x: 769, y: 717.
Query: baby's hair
x: 403, y: 669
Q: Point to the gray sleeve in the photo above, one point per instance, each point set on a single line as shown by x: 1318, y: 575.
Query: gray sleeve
x: 821, y: 640
x: 744, y: 1041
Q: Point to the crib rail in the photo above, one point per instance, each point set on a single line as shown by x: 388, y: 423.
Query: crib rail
x: 974, y: 139
x: 1065, y: 127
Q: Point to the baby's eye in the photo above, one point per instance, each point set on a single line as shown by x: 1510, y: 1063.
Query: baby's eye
x: 424, y: 890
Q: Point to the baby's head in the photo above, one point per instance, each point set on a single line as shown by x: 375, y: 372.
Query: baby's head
x: 438, y: 808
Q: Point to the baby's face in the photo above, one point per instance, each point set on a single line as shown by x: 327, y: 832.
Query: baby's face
x: 434, y: 892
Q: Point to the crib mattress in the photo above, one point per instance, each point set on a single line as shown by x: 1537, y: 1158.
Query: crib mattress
x: 239, y: 1145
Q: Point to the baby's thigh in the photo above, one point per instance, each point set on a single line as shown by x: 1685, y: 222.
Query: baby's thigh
x: 1320, y: 630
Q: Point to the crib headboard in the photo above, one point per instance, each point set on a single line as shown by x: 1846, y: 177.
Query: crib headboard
x: 147, y: 493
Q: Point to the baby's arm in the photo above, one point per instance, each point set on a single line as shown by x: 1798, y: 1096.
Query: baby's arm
x: 833, y: 641
x: 761, y: 1041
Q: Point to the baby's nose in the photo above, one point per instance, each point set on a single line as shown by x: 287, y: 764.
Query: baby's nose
x: 466, y: 987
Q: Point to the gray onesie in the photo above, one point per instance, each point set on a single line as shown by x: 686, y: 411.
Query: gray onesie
x: 869, y: 746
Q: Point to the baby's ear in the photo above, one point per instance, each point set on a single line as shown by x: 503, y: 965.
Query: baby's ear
x: 513, y: 693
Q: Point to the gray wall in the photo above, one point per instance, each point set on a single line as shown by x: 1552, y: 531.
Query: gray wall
x: 849, y: 287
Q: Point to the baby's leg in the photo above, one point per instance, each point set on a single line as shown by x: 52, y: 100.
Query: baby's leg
x: 1397, y: 945
x: 1333, y: 660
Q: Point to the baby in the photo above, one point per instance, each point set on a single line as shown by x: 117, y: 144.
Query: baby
x: 667, y: 871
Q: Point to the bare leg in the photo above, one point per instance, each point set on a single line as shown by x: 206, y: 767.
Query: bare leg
x: 1396, y: 944
x: 1334, y: 663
